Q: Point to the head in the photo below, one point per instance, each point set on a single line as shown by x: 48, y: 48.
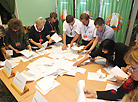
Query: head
x: 99, y: 23
x: 15, y: 24
x: 84, y: 18
x: 53, y: 16
x: 40, y: 22
x: 107, y: 46
x: 131, y: 58
x: 70, y: 20
x: 131, y: 96
x: 2, y: 31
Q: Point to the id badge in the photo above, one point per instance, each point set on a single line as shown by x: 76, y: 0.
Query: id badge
x: 18, y: 44
x: 40, y: 40
x: 70, y: 33
x: 85, y: 36
x: 99, y: 42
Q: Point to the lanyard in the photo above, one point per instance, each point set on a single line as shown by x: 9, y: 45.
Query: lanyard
x: 16, y: 37
x: 86, y: 30
x: 103, y: 33
x: 72, y: 28
x: 51, y: 26
x: 40, y: 34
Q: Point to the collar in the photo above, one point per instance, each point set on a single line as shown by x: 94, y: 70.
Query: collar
x: 89, y: 25
x: 37, y: 29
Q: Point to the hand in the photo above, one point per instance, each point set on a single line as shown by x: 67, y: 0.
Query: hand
x: 99, y: 43
x: 78, y: 63
x: 52, y: 30
x: 119, y: 79
x: 71, y: 44
x: 87, y: 52
x: 90, y: 94
x: 29, y: 48
x: 40, y: 45
x: 16, y: 51
x: 64, y: 47
x: 8, y: 56
x: 85, y: 47
x: 60, y: 35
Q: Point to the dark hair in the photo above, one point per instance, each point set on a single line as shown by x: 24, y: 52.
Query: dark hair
x: 69, y: 18
x: 53, y: 14
x: 99, y: 21
x: 84, y: 16
x: 15, y: 24
x: 108, y: 45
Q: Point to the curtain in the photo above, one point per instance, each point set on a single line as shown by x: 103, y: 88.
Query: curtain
x: 116, y: 14
x: 64, y: 7
x: 9, y: 5
x: 90, y: 7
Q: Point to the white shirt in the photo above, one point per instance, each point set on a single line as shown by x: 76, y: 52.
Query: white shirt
x: 87, y: 32
x: 71, y: 30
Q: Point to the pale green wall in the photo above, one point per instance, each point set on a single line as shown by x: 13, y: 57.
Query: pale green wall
x: 29, y: 10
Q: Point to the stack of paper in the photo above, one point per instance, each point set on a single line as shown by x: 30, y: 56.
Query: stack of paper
x: 27, y: 53
x: 56, y: 38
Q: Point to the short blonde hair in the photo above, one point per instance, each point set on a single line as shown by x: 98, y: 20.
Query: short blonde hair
x: 132, y: 56
x: 131, y: 96
x: 40, y: 20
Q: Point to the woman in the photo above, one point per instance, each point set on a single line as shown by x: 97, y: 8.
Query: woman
x: 2, y: 48
x: 39, y: 34
x: 15, y: 38
x: 113, y: 52
x: 131, y: 58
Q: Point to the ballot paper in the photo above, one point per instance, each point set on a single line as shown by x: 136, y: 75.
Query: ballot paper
x: 108, y: 69
x: 100, y: 74
x: 71, y: 72
x: 56, y: 37
x: 8, y: 67
x: 80, y: 91
x: 111, y: 86
x: 81, y: 70
x: 29, y: 76
x: 77, y: 48
x: 10, y: 52
x: 94, y: 76
x: 95, y: 100
x: 43, y: 48
x: 116, y: 71
x: 19, y: 81
x: 27, y: 53
x: 38, y: 97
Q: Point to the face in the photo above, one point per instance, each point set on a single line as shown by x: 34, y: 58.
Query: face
x: 71, y: 23
x: 53, y: 20
x: 134, y: 71
x: 99, y: 28
x: 39, y: 26
x: 84, y: 22
x: 104, y: 51
x: 15, y: 30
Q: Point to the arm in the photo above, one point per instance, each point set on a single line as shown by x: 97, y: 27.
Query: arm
x: 93, y: 45
x: 85, y: 47
x: 37, y: 44
x: 64, y: 41
x: 4, y: 51
x: 74, y: 39
x: 50, y: 40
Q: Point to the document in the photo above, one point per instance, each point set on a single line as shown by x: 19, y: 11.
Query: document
x: 19, y: 81
x: 100, y: 74
x: 27, y: 53
x: 43, y: 48
x: 56, y: 37
x: 111, y: 86
x: 77, y: 48
x: 80, y: 91
x: 38, y: 97
x: 81, y: 70
x: 29, y: 76
x: 10, y: 52
x: 95, y: 100
x: 8, y: 67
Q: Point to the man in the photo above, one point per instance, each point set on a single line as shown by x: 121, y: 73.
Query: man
x: 52, y: 24
x: 87, y: 31
x: 103, y: 32
x: 69, y: 30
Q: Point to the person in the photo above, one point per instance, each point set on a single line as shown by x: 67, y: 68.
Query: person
x: 52, y: 24
x: 87, y: 31
x: 109, y: 50
x: 131, y: 58
x: 2, y: 47
x: 103, y: 32
x: 15, y: 38
x: 38, y: 34
x: 69, y: 30
x: 131, y: 96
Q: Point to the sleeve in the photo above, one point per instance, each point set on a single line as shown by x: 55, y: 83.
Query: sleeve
x: 7, y: 37
x: 26, y: 40
x: 109, y: 34
x: 1, y: 43
x: 57, y: 28
x: 94, y: 32
x: 31, y: 32
x: 113, y: 95
x: 78, y: 29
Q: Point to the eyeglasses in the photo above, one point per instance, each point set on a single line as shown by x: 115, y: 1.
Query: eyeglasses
x: 133, y: 69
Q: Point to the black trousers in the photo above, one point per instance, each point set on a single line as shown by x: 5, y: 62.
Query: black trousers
x: 68, y: 39
x: 87, y: 42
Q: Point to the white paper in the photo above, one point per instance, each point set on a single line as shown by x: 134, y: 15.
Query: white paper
x: 8, y: 67
x: 56, y: 38
x: 81, y: 70
x: 80, y: 91
x: 71, y: 72
x: 29, y: 76
x: 38, y: 97
x: 77, y: 48
x: 10, y: 52
x: 94, y: 76
x: 19, y: 81
x: 100, y: 74
x: 95, y: 100
x: 111, y: 86
x: 43, y: 48
x: 27, y: 53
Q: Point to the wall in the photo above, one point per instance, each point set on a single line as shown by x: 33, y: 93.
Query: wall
x: 30, y: 10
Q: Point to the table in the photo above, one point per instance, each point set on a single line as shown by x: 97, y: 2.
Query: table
x: 65, y: 92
